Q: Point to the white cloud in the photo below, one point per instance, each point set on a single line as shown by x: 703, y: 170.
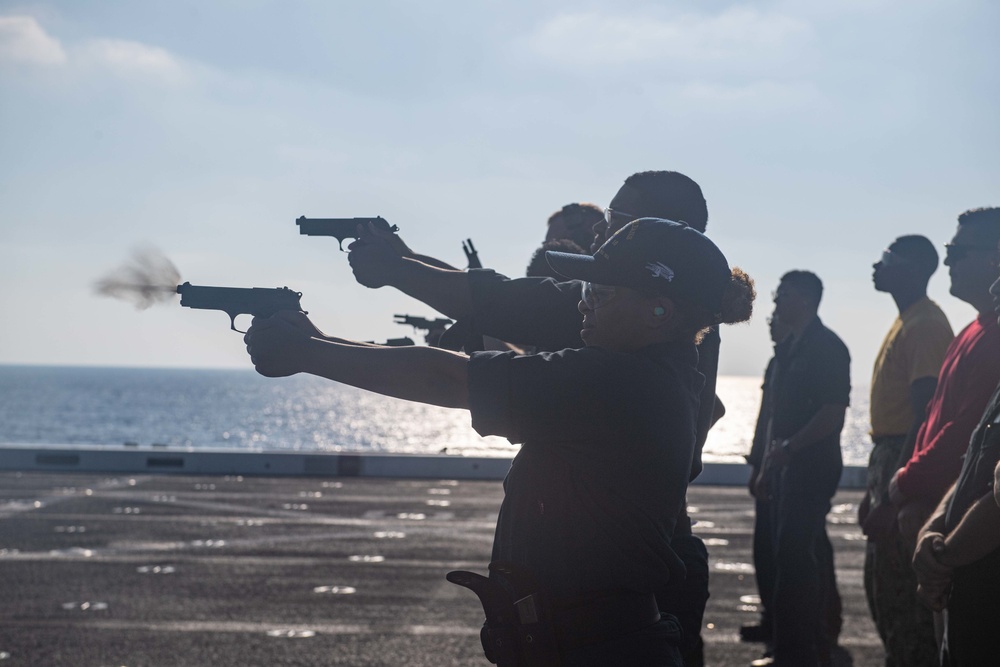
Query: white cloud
x: 593, y: 39
x: 134, y: 60
x: 22, y: 40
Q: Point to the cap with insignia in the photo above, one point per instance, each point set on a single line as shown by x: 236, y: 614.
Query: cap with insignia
x: 656, y: 257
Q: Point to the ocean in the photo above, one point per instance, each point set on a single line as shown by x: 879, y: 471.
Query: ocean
x: 241, y: 410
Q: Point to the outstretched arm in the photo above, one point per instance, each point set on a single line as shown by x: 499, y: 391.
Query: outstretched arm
x: 280, y: 346
x: 378, y: 261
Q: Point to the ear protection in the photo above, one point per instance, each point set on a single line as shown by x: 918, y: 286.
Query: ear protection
x: 658, y: 310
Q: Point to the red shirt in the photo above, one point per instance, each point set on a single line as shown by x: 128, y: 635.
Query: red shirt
x: 969, y: 374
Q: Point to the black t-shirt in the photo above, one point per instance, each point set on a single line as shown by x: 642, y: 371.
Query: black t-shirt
x: 815, y: 371
x: 542, y: 313
x: 592, y: 497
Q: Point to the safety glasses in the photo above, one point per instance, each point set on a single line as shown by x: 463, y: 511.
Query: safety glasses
x: 890, y: 258
x: 956, y: 252
x: 595, y: 295
x: 610, y: 215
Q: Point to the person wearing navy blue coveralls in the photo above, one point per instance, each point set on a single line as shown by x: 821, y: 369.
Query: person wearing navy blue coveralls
x: 608, y: 430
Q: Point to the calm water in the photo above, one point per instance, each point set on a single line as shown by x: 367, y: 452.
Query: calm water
x: 242, y: 410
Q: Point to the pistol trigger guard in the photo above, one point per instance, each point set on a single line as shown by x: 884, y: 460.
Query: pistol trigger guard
x: 232, y: 322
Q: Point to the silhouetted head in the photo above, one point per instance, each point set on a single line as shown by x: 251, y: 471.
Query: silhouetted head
x: 907, y: 264
x: 574, y: 222
x: 796, y: 301
x: 972, y: 256
x: 669, y: 195
x: 539, y: 267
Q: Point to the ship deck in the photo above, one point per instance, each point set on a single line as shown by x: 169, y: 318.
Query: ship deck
x: 146, y: 569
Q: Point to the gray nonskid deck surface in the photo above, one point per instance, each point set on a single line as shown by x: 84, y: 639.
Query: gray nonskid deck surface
x: 155, y: 570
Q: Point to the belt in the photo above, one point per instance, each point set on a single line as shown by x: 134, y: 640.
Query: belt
x: 604, y: 617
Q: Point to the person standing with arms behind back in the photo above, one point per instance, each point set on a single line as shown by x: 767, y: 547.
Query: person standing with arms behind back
x: 801, y: 470
x: 903, y: 382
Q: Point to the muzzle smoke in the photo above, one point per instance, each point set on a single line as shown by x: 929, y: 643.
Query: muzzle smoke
x: 147, y: 278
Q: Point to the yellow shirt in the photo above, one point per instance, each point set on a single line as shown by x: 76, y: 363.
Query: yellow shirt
x: 913, y: 349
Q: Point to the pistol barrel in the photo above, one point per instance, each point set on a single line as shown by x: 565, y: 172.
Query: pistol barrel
x: 256, y: 301
x: 340, y: 228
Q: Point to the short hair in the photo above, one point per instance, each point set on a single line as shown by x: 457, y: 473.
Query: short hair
x: 670, y: 195
x: 919, y: 250
x: 539, y: 266
x: 580, y: 220
x: 806, y: 282
x: 986, y: 218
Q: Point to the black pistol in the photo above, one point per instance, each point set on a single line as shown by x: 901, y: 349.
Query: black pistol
x: 234, y: 301
x: 340, y: 228
x: 422, y: 323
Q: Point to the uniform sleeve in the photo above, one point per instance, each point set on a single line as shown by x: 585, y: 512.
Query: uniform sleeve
x: 552, y: 396
x: 833, y: 375
x: 924, y: 348
x: 540, y: 312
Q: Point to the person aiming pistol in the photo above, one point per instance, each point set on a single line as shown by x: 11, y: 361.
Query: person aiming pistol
x: 607, y: 434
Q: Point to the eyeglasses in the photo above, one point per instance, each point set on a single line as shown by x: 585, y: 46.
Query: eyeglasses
x: 890, y: 258
x: 956, y: 252
x: 610, y: 214
x: 595, y: 295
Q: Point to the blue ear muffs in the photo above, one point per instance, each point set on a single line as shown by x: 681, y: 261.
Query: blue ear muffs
x: 658, y: 310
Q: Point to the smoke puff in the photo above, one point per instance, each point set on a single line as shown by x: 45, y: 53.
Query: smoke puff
x: 147, y: 278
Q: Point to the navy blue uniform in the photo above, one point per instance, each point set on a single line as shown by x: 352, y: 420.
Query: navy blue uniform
x: 592, y: 498
x: 542, y: 313
x: 811, y: 372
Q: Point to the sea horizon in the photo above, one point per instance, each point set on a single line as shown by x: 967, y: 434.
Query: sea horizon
x: 235, y: 408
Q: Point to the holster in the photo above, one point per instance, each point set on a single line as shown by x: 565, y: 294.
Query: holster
x: 518, y: 631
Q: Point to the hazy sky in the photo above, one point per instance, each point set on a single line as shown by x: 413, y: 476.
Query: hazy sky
x: 819, y: 131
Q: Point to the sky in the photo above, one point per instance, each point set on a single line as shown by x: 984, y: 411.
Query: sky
x: 818, y: 131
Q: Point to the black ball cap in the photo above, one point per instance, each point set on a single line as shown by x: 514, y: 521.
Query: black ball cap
x: 657, y: 257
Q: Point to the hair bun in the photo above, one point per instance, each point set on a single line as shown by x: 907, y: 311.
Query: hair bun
x: 738, y: 298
